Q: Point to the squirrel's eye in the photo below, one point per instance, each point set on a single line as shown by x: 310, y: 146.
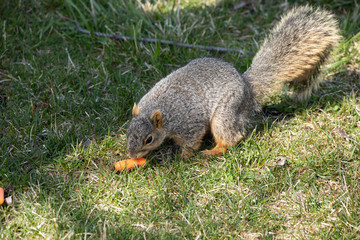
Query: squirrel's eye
x: 148, y: 140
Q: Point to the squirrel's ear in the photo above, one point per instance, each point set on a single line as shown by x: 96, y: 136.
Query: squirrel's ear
x: 157, y: 119
x: 135, y: 110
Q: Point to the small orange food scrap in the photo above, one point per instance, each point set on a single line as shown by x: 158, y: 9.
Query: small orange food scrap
x: 130, y: 163
x: 1, y: 196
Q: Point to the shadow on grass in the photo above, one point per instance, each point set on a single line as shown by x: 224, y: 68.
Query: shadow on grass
x: 330, y: 94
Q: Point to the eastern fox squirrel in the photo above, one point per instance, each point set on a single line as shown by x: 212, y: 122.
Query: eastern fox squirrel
x: 210, y: 95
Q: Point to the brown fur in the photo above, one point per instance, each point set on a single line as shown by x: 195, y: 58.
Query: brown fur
x: 135, y: 110
x: 157, y: 119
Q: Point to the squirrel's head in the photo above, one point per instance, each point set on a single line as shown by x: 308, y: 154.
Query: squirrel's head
x: 145, y: 133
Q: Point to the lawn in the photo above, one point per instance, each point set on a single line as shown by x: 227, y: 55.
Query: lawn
x: 66, y: 99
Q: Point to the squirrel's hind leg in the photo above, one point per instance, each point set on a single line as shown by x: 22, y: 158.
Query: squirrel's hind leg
x: 227, y: 127
x: 219, y: 149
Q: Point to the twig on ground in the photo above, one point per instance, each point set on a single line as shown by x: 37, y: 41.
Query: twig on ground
x: 153, y: 40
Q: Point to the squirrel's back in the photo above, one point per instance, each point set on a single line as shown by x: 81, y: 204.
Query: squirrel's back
x: 293, y: 53
x: 199, y: 85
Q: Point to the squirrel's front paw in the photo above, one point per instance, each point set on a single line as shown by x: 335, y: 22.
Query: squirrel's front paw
x: 185, y: 153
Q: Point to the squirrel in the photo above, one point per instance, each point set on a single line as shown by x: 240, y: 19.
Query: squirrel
x: 210, y: 95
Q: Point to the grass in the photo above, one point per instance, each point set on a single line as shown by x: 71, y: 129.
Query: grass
x: 65, y: 100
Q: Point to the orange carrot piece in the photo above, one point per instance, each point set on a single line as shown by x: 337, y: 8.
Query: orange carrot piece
x: 1, y: 196
x: 130, y: 163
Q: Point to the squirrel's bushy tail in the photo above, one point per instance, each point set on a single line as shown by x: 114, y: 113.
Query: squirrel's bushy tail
x: 293, y: 53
